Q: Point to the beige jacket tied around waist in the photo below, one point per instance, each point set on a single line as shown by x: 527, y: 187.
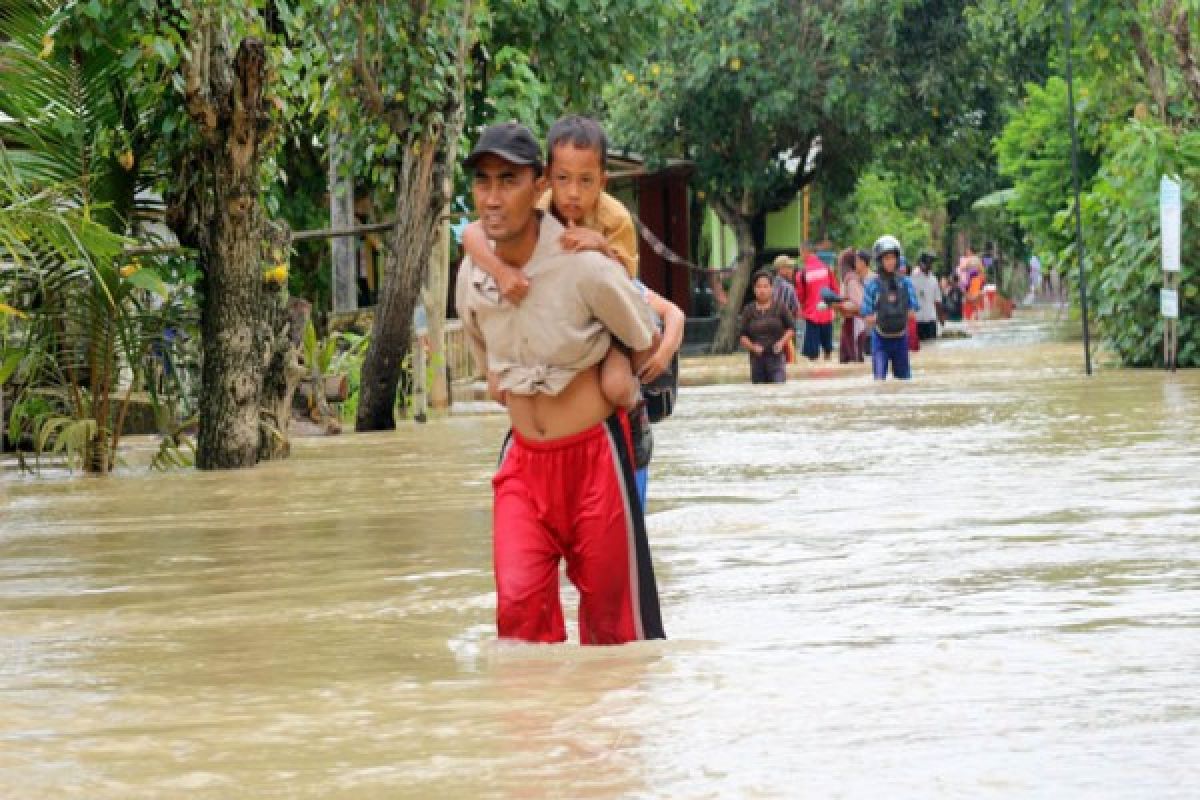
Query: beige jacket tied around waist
x: 562, y: 326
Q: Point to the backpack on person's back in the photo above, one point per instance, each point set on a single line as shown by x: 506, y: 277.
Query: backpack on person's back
x: 891, y: 310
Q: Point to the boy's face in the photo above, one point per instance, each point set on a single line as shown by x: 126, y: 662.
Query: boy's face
x: 576, y: 181
x: 889, y: 261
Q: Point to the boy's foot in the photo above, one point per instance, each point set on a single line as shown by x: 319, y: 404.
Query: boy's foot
x: 643, y: 439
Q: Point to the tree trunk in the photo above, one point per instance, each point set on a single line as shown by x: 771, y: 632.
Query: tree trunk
x: 216, y: 208
x: 727, y: 328
x: 102, y: 368
x: 419, y: 202
x: 343, y: 249
x: 1152, y: 71
x: 1181, y: 32
x: 424, y: 184
x: 232, y: 373
x: 282, y: 328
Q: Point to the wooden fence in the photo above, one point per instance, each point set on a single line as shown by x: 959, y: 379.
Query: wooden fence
x: 458, y: 353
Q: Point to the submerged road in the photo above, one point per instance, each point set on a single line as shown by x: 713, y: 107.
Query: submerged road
x: 982, y: 584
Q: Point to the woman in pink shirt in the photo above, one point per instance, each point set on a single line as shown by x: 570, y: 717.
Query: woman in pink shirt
x: 853, y: 266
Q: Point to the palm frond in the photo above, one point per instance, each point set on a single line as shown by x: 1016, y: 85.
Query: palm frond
x: 65, y: 117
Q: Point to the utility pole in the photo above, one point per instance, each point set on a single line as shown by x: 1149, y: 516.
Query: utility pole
x: 1083, y: 298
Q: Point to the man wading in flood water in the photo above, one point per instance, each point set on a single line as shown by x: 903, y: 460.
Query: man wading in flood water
x: 565, y: 487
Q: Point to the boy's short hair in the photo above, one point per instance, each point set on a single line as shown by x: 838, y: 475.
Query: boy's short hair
x: 582, y: 132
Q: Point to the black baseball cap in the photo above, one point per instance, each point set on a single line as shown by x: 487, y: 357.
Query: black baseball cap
x: 511, y: 141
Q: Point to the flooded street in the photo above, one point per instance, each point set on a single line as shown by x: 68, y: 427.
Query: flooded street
x: 982, y: 584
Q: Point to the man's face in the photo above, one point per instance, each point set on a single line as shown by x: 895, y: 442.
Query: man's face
x: 505, y: 195
x: 787, y: 271
x: 576, y: 180
x: 889, y: 261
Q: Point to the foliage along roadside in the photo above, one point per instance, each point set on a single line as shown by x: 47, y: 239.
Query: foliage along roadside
x: 1136, y: 106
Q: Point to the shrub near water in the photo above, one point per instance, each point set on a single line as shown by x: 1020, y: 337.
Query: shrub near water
x: 1122, y: 231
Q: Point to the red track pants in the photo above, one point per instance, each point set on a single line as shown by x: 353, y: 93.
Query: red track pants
x: 573, y: 498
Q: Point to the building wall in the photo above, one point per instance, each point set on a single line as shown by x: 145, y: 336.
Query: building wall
x: 660, y: 200
x: 783, y: 233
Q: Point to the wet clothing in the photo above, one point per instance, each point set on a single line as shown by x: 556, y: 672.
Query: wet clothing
x: 894, y: 351
x: 768, y: 368
x: 783, y: 293
x: 886, y: 349
x: 810, y: 280
x: 929, y: 295
x: 953, y: 304
x: 642, y: 478
x: 573, y: 498
x: 765, y: 328
x: 851, y: 348
x: 850, y: 345
x: 875, y: 286
x: 613, y: 220
x: 576, y: 303
x: 818, y: 338
x: 973, y: 287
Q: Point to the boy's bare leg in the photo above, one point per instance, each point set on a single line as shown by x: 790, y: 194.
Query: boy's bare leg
x: 617, y: 381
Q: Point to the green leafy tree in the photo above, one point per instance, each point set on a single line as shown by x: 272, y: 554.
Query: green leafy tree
x: 198, y: 79
x: 747, y: 89
x: 70, y: 139
x: 537, y: 59
x: 1137, y: 98
x: 874, y: 211
x: 1034, y: 151
x: 1124, y: 245
x: 393, y: 77
x: 404, y: 121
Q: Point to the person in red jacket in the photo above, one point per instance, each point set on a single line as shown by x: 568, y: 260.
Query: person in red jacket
x: 818, y: 318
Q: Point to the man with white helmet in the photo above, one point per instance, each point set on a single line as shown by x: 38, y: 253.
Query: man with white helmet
x: 888, y: 303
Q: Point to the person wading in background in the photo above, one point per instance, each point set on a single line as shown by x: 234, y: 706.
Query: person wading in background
x: 766, y: 327
x: 889, y: 304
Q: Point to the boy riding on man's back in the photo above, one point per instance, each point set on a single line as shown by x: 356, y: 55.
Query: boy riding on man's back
x: 577, y: 156
x: 565, y: 486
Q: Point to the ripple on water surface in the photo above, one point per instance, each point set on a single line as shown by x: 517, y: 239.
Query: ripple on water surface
x: 981, y: 584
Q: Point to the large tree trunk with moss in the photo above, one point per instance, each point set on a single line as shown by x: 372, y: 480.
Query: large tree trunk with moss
x: 216, y: 208
x: 232, y: 374
x: 740, y: 220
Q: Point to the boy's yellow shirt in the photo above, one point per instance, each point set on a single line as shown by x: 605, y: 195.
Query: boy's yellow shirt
x: 611, y: 219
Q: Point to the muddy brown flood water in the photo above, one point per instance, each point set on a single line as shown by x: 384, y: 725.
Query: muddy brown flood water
x: 982, y: 584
